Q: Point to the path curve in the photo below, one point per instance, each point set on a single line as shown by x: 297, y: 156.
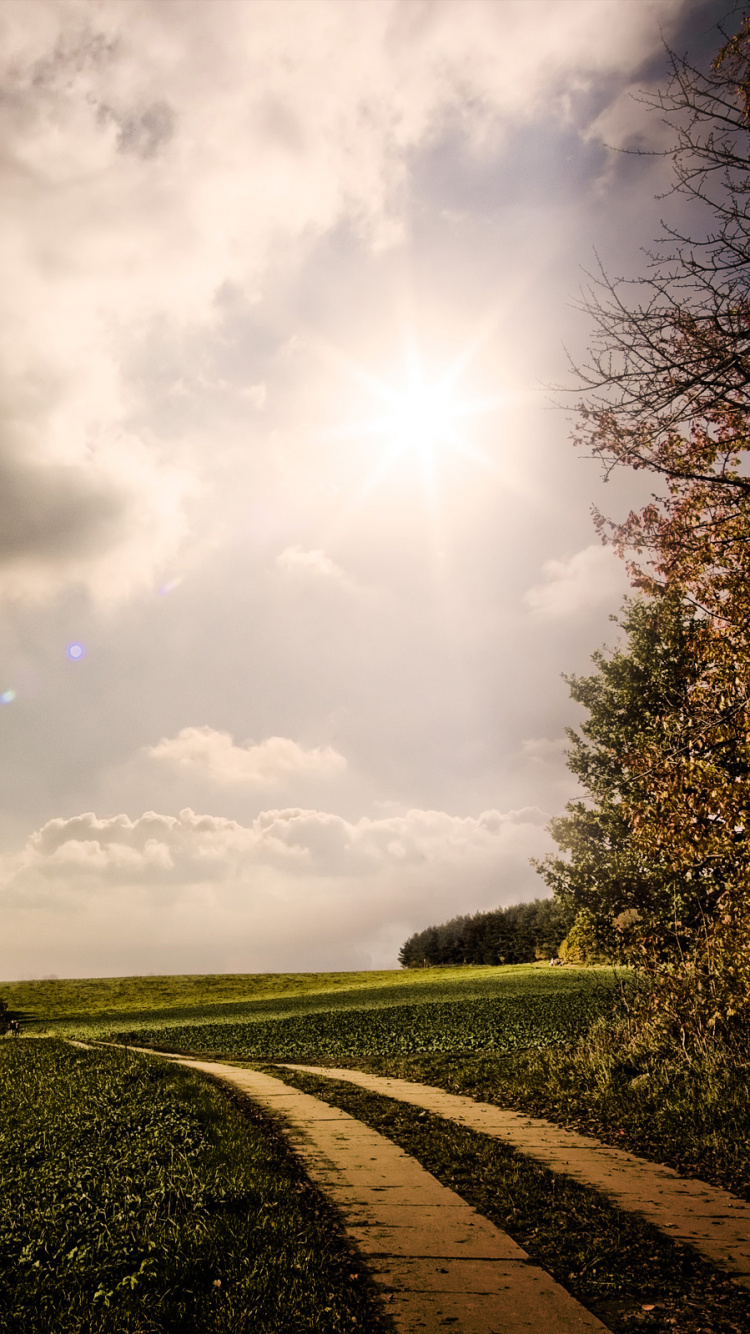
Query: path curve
x: 440, y: 1264
x: 711, y: 1220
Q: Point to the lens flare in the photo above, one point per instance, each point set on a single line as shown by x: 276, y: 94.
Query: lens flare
x: 7, y: 697
x: 76, y: 651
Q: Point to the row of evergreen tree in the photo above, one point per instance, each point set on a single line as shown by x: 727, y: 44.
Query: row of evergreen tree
x: 519, y: 934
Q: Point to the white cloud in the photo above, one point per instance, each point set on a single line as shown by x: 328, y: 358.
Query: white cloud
x: 155, y: 154
x: 269, y: 763
x: 582, y: 582
x: 294, y: 888
x: 315, y: 564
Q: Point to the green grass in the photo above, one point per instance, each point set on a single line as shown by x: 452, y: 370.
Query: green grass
x: 611, y: 1261
x: 52, y: 999
x: 519, y: 1036
x: 451, y: 1010
x: 138, y: 1198
x: 155, y: 1231
x: 457, y: 1025
x: 123, y: 1214
x: 70, y: 1005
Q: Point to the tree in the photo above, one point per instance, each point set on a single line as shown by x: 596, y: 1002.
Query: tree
x: 681, y: 351
x: 668, y: 390
x: 638, y: 688
x: 668, y: 379
x: 519, y: 934
x: 655, y: 859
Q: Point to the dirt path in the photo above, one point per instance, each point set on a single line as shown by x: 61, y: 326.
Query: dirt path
x: 714, y: 1222
x: 440, y: 1264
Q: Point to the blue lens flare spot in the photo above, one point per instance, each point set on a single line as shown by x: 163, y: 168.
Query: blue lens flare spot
x: 7, y: 697
x: 76, y: 651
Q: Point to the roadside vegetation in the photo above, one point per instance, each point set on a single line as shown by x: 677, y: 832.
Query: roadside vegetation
x: 655, y: 859
x: 137, y: 1198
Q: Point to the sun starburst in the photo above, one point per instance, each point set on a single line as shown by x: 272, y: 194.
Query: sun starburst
x: 418, y: 417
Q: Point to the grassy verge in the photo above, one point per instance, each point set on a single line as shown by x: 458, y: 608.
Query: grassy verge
x: 693, y: 1115
x: 138, y: 1198
x: 621, y: 1268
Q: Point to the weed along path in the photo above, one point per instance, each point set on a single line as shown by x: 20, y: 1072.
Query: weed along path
x: 440, y: 1264
x: 712, y: 1221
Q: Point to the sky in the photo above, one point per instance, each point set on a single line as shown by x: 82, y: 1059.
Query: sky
x: 295, y: 547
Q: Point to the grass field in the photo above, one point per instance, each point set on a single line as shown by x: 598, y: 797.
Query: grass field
x: 450, y: 1010
x: 55, y: 1000
x: 523, y: 1036
x: 137, y: 1198
x: 75, y: 1005
x: 454, y: 1025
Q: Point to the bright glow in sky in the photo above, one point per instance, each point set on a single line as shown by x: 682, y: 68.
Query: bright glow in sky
x: 417, y: 418
x: 421, y: 418
x: 283, y: 285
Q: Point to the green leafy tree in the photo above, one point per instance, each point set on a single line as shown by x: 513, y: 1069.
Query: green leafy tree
x: 518, y: 934
x: 638, y: 688
x: 582, y: 943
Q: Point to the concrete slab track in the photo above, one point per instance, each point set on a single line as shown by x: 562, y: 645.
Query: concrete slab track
x: 440, y: 1264
x: 714, y: 1222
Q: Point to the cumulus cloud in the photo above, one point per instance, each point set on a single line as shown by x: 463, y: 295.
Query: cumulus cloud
x: 293, y: 888
x: 188, y: 846
x: 269, y: 763
x: 571, y: 587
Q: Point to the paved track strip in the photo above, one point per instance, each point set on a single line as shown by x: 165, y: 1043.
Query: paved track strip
x: 711, y: 1220
x: 441, y: 1265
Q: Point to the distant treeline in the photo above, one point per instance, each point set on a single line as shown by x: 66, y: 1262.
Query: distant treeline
x: 520, y: 934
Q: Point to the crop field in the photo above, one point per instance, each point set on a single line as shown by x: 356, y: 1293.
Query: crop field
x: 137, y: 1197
x: 326, y: 1016
x: 505, y: 1010
x: 59, y: 1000
x: 83, y: 1006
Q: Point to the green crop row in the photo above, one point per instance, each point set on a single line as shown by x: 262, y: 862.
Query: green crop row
x: 478, y: 1024
x: 136, y: 1198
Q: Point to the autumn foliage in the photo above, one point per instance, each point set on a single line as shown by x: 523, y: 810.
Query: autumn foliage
x: 667, y: 390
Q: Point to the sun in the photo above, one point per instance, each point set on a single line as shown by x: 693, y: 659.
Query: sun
x: 416, y: 417
x: 421, y: 418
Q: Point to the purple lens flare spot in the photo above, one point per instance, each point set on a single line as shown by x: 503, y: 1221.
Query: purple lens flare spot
x: 7, y: 697
x: 76, y: 651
